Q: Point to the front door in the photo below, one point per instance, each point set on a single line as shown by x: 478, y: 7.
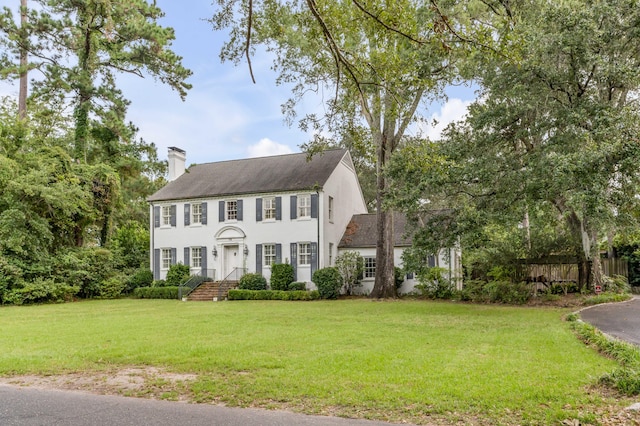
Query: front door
x: 231, y: 259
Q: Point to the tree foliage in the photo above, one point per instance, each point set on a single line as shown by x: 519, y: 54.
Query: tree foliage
x: 381, y: 60
x: 553, y: 137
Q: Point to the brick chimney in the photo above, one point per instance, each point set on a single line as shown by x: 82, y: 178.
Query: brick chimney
x: 177, y: 158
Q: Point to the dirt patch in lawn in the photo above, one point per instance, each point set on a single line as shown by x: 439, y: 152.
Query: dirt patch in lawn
x: 148, y: 382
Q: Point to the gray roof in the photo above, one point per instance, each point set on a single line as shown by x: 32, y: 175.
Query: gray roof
x: 279, y: 173
x: 362, y: 231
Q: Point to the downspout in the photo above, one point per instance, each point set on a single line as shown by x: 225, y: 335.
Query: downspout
x: 152, y: 239
x: 318, y: 239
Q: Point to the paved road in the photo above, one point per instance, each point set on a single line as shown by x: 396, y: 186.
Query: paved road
x: 621, y: 320
x: 38, y: 407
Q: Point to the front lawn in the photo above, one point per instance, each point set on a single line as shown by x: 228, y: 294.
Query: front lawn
x: 399, y: 361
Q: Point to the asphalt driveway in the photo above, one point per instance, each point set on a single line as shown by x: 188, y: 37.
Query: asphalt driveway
x: 39, y: 407
x: 621, y: 320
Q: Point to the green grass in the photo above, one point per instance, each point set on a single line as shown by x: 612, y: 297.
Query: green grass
x: 404, y: 360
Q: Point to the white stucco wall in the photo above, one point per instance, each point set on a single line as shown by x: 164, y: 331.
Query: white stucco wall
x: 447, y: 258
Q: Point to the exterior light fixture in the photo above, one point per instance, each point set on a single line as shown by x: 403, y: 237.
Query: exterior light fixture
x: 246, y: 250
x: 214, y: 252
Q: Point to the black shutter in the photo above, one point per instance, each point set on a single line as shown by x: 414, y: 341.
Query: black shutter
x: 173, y: 256
x: 294, y: 206
x: 220, y: 211
x: 294, y: 260
x: 204, y: 213
x: 173, y: 214
x: 239, y: 205
x: 431, y: 261
x: 156, y: 216
x: 156, y: 264
x: 278, y: 253
x: 278, y: 208
x: 259, y: 258
x: 314, y: 206
x: 186, y: 256
x: 314, y: 257
x: 203, y: 262
x: 187, y: 214
x: 258, y: 209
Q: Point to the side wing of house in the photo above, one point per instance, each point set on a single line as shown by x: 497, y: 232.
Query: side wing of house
x: 341, y: 199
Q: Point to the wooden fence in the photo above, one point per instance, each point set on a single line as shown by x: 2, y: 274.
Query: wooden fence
x: 565, y: 270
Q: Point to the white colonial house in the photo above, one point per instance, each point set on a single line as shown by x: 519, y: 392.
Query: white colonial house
x: 360, y: 236
x: 244, y: 215
x: 226, y: 218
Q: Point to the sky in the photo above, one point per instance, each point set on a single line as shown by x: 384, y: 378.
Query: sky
x: 225, y: 116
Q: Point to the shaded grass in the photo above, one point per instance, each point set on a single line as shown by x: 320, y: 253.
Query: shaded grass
x: 403, y: 360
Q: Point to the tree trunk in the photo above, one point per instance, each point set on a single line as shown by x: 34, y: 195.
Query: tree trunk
x: 384, y: 286
x: 24, y: 62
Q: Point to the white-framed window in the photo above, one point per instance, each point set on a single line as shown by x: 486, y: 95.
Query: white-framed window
x: 269, y: 254
x: 166, y: 216
x: 304, y: 254
x: 196, y: 257
x: 330, y: 209
x: 269, y: 208
x: 232, y: 210
x: 166, y: 258
x: 304, y: 205
x: 196, y: 213
x: 369, y: 267
x: 330, y: 254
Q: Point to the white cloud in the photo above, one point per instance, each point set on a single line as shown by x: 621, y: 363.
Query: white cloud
x: 267, y: 147
x: 454, y: 110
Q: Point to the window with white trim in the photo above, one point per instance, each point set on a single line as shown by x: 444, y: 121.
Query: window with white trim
x: 269, y: 208
x: 166, y: 258
x: 330, y: 209
x: 196, y: 257
x: 232, y: 210
x: 196, y: 213
x: 330, y: 254
x: 304, y: 254
x: 166, y: 216
x: 304, y: 205
x: 269, y: 254
x: 369, y: 267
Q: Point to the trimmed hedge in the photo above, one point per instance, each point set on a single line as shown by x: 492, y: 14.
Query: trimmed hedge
x: 156, y: 292
x: 297, y: 286
x: 272, y: 295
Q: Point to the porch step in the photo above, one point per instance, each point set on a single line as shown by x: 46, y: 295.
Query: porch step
x: 208, y: 290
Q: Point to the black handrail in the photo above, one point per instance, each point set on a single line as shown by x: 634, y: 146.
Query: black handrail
x: 205, y: 275
x: 230, y: 281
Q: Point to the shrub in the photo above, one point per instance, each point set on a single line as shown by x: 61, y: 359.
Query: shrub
x: 112, y: 288
x: 159, y: 283
x: 508, y: 292
x: 433, y: 283
x: 252, y: 282
x: 328, y: 281
x: 177, y: 274
x: 398, y: 276
x: 616, y: 284
x: 272, y: 295
x: 143, y: 277
x: 281, y: 276
x: 350, y: 265
x: 297, y: 286
x: 40, y: 291
x: 156, y: 292
x: 605, y: 298
x: 84, y: 268
x: 495, y: 292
